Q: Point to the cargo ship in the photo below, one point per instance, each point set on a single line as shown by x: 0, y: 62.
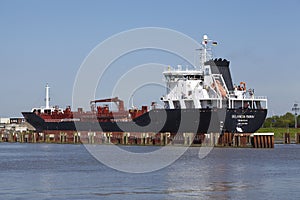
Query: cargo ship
x: 199, y: 100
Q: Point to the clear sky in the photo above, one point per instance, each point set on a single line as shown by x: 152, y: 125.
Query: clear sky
x: 46, y: 42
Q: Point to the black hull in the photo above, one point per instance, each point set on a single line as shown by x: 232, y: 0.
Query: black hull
x: 169, y: 120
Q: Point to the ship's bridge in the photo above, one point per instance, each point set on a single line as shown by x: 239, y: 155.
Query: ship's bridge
x: 180, y: 84
x: 192, y: 88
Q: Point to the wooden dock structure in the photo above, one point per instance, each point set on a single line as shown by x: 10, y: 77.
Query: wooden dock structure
x: 263, y: 140
x: 255, y: 140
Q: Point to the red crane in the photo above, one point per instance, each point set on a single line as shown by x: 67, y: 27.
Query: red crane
x: 115, y: 100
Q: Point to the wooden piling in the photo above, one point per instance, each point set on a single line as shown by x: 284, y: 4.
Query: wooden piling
x: 255, y: 142
x: 62, y: 137
x: 76, y: 137
x: 34, y: 137
x: 262, y: 140
x: 297, y: 138
x: 125, y: 138
x: 241, y: 139
x: 90, y: 137
x: 287, y: 138
x: 226, y: 139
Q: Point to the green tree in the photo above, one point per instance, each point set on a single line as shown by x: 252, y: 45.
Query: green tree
x: 282, y: 121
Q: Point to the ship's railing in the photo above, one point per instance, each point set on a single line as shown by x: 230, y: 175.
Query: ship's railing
x: 246, y: 95
x: 181, y: 69
x: 251, y: 98
x: 260, y: 97
x: 259, y: 102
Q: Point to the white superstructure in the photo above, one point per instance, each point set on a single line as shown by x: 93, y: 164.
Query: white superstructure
x: 206, y: 88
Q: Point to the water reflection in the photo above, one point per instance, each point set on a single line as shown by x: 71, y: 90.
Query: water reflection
x: 223, y: 174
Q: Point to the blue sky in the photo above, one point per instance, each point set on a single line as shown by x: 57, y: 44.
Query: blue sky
x: 46, y: 42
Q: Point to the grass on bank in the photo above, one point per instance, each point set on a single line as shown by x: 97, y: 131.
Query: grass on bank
x: 279, y: 132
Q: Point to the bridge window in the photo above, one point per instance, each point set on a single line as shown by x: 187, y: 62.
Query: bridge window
x: 189, y: 104
x: 176, y: 104
x: 258, y: 105
x: 206, y: 104
x: 167, y: 106
x: 47, y: 111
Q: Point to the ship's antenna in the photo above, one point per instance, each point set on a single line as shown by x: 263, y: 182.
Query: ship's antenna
x: 47, y: 99
x: 205, y: 53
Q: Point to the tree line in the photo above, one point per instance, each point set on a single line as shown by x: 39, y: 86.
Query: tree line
x: 283, y: 121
